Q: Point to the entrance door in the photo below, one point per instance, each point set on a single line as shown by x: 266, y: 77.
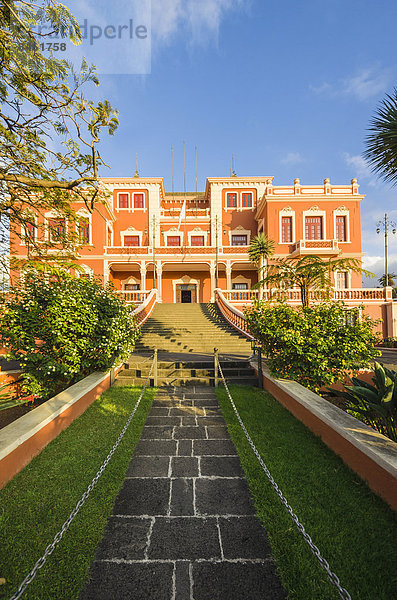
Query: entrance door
x: 186, y: 296
x: 186, y: 293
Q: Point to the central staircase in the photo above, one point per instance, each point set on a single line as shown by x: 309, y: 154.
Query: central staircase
x: 191, y: 328
x: 185, y: 336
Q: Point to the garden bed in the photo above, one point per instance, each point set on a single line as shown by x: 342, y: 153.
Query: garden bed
x: 354, y: 529
x: 39, y: 499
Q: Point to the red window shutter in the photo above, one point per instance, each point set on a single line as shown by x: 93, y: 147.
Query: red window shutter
x: 30, y: 231
x: 239, y: 240
x: 197, y: 240
x: 341, y: 229
x: 173, y: 240
x: 57, y: 229
x: 138, y: 201
x: 286, y: 230
x: 123, y: 200
x: 231, y: 200
x: 84, y: 232
x: 247, y: 200
x: 314, y: 228
x: 131, y: 240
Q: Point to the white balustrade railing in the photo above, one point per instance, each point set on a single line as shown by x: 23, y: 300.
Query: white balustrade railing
x: 294, y: 295
x: 143, y: 311
x: 234, y: 316
x: 133, y: 296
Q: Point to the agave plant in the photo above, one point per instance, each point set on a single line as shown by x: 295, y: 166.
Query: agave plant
x: 377, y: 403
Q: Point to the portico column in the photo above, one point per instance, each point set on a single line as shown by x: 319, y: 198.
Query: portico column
x: 228, y: 275
x: 143, y: 277
x: 106, y: 272
x: 159, y: 272
x: 212, y: 274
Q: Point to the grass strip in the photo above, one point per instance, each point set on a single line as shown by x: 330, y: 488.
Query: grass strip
x: 34, y: 505
x: 354, y: 529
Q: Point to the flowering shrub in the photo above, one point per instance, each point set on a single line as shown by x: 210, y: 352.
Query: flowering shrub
x: 61, y: 331
x: 315, y: 345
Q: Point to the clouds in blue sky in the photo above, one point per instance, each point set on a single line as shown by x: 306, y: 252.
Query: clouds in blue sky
x: 364, y: 84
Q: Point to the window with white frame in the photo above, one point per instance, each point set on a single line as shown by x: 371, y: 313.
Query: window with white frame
x: 123, y: 200
x: 131, y: 237
x: 286, y: 230
x: 139, y: 200
x: 314, y: 228
x: 342, y: 280
x: 56, y: 229
x: 239, y: 200
x: 239, y: 239
x: 231, y: 200
x: 173, y: 240
x: 341, y: 224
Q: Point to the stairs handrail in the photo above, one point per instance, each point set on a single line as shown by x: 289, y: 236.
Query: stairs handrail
x: 232, y: 314
x: 144, y: 310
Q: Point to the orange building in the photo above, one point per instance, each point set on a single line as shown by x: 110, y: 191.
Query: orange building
x: 186, y: 245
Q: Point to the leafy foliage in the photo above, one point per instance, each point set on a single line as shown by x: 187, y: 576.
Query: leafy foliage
x: 375, y: 404
x: 62, y: 330
x: 49, y: 132
x: 307, y: 273
x: 316, y: 345
x: 381, y: 142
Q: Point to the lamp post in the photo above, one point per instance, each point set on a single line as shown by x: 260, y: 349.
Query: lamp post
x: 385, y: 224
x: 216, y: 252
x: 154, y: 251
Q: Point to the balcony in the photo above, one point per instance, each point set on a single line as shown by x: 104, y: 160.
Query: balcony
x: 318, y: 247
x: 167, y: 250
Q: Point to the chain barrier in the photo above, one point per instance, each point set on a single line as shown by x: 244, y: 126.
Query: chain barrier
x: 334, y: 579
x: 57, y: 538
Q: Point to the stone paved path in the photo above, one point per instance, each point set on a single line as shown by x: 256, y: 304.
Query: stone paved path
x: 183, y: 525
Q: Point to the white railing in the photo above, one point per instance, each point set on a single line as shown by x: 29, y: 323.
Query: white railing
x: 234, y: 316
x: 143, y: 311
x: 133, y: 297
x: 294, y: 295
x: 240, y: 296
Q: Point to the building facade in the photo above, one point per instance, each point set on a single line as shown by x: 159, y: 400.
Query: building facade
x: 186, y: 245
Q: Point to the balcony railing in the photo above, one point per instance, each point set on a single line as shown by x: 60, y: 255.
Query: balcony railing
x: 293, y: 295
x: 148, y: 250
x: 318, y: 247
x: 134, y: 297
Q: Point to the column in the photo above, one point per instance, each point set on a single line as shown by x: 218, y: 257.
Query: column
x: 228, y: 275
x: 143, y: 276
x: 106, y: 272
x: 159, y: 272
x: 212, y: 274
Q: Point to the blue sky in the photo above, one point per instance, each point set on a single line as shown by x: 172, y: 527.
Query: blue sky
x: 288, y: 87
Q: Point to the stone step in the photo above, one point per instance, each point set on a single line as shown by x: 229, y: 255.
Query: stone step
x: 185, y: 372
x: 179, y: 381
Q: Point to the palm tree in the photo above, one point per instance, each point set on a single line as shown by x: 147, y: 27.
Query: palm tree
x: 261, y: 248
x: 387, y: 280
x: 309, y: 273
x: 381, y: 143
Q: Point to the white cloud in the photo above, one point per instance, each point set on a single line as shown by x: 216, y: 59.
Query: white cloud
x: 202, y: 18
x: 363, y: 85
x: 358, y: 163
x: 292, y: 158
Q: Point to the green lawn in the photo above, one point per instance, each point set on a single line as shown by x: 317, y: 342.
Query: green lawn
x: 355, y: 530
x: 37, y: 501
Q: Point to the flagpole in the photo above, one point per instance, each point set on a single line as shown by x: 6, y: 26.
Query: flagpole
x: 184, y: 190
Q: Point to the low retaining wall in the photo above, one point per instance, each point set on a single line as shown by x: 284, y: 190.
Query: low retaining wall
x: 371, y: 455
x: 23, y: 439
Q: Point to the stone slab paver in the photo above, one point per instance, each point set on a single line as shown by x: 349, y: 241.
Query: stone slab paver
x: 183, y: 525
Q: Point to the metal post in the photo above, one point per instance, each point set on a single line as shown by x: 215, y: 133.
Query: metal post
x: 216, y: 367
x: 260, y: 371
x: 155, y: 368
x: 216, y: 254
x: 112, y: 376
x: 386, y: 265
x: 154, y: 251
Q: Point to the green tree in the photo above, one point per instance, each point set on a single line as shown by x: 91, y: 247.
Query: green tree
x: 61, y: 328
x: 315, y: 345
x: 49, y: 132
x: 261, y: 248
x: 381, y: 142
x: 309, y: 273
x: 387, y: 280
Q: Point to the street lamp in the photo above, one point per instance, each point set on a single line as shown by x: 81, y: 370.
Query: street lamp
x: 384, y: 225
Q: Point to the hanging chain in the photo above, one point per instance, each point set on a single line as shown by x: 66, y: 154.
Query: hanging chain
x: 344, y: 594
x: 57, y: 538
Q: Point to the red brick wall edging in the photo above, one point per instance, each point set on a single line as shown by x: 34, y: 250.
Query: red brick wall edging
x: 27, y: 436
x: 371, y: 455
